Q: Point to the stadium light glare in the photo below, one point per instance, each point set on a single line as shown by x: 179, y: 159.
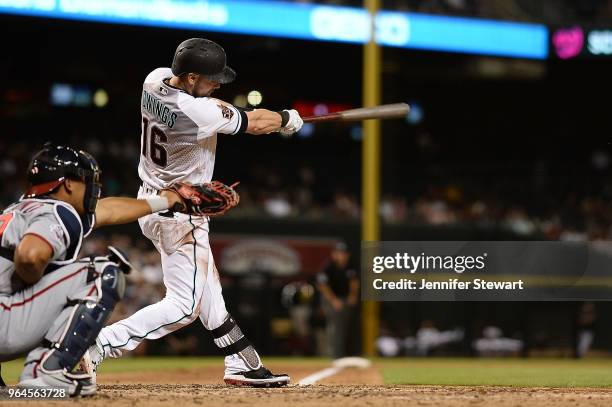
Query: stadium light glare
x: 240, y: 100
x: 254, y: 98
x: 100, y: 98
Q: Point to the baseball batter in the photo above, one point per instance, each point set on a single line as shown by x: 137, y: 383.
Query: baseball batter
x: 53, y: 306
x: 180, y: 124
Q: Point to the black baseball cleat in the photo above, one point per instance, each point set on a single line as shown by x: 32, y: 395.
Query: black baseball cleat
x: 261, y: 377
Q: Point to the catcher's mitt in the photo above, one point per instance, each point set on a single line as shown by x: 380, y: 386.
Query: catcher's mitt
x: 211, y: 199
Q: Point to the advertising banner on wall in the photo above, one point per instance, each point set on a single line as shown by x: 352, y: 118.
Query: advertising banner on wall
x: 282, y: 256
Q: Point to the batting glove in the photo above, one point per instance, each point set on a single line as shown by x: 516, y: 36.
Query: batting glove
x: 294, y: 124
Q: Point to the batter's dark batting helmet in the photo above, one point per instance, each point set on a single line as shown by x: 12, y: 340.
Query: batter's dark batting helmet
x: 54, y: 164
x: 205, y: 57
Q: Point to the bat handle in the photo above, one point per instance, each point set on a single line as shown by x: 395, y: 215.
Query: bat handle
x: 323, y: 118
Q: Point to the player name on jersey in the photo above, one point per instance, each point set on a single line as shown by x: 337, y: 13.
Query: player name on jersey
x: 157, y: 108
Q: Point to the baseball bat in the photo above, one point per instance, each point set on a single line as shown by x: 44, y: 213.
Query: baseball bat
x: 391, y: 111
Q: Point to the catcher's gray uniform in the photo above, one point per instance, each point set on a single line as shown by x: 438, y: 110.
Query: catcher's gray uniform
x: 56, y: 222
x: 31, y: 315
x: 26, y: 314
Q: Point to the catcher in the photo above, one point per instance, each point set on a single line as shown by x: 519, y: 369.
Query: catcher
x: 180, y: 124
x: 52, y: 306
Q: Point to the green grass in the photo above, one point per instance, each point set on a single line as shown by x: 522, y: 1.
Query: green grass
x: 433, y: 371
x: 499, y: 372
x: 11, y: 370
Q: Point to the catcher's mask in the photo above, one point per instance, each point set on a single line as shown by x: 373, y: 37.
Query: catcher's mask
x: 52, y: 165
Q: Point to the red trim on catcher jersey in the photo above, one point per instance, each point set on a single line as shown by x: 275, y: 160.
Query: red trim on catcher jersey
x: 5, y: 219
x: 44, y: 290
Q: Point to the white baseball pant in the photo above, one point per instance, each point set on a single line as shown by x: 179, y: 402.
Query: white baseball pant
x: 193, y: 288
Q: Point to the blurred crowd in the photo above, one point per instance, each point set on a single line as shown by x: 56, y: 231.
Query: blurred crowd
x: 305, y: 191
x: 301, y: 191
x: 314, y: 330
x: 493, y: 336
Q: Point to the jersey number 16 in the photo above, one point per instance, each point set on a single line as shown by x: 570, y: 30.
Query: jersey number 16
x: 157, y: 152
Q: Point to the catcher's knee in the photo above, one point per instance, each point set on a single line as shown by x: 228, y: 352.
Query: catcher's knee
x: 112, y: 282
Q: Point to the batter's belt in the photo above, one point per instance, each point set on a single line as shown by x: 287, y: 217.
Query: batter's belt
x: 149, y: 190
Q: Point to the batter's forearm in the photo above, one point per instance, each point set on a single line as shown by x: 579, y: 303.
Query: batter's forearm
x: 262, y: 121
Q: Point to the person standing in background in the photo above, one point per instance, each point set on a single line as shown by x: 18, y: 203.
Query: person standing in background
x: 584, y: 329
x: 339, y: 288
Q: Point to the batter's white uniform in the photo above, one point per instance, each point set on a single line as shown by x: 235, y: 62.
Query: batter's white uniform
x: 179, y: 137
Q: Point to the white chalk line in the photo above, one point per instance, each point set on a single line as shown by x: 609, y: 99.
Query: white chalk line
x: 321, y: 374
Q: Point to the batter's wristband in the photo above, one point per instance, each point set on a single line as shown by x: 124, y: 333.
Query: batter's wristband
x: 244, y: 122
x: 284, y: 117
x: 158, y: 204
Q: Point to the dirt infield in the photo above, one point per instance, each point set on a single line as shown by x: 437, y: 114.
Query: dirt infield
x: 346, y: 395
x: 350, y: 387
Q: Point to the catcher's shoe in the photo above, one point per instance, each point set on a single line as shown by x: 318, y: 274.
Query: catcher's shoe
x: 75, y: 384
x: 261, y: 377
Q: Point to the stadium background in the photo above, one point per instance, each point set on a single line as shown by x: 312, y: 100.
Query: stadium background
x: 505, y: 148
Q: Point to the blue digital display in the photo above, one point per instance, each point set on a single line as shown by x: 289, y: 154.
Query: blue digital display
x: 304, y: 21
x: 466, y: 35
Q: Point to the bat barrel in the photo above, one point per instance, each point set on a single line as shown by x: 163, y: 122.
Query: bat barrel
x: 364, y: 113
x: 378, y: 112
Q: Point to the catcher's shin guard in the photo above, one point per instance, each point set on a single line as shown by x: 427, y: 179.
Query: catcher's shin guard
x: 85, y: 322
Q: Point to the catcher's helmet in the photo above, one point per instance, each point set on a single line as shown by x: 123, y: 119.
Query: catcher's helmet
x: 52, y: 165
x: 205, y: 57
